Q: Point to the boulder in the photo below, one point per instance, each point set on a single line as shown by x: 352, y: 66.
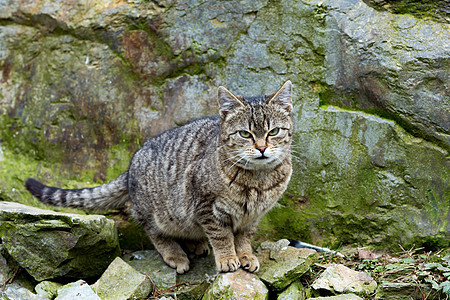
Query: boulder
x: 121, y: 281
x: 338, y: 278
x: 49, y: 244
x: 76, y: 290
x: 237, y: 285
x: 282, y: 264
x: 361, y: 178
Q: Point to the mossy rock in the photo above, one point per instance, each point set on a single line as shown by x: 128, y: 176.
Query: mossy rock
x: 49, y: 244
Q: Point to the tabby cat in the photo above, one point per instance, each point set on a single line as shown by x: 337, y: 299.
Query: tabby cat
x: 211, y: 179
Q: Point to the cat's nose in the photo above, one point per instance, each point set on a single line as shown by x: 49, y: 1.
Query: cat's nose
x: 261, y: 149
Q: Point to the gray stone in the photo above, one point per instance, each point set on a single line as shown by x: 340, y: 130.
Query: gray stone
x: 405, y: 290
x: 49, y: 244
x: 201, y: 275
x: 237, y: 285
x: 121, y: 281
x: 5, y: 270
x: 193, y: 284
x: 76, y: 290
x: 150, y: 262
x: 281, y: 264
x: 294, y: 292
x: 17, y: 291
x: 338, y: 278
x: 202, y: 269
x: 47, y: 289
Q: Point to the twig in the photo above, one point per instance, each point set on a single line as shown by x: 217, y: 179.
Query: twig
x: 174, y: 286
x: 156, y: 292
x: 11, y: 278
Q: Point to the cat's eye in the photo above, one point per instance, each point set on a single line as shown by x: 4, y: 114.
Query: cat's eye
x: 245, y: 134
x: 274, y: 131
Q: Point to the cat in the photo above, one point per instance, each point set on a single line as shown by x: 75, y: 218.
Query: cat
x: 209, y: 180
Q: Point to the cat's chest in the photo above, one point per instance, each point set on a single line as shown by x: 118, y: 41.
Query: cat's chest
x: 249, y: 203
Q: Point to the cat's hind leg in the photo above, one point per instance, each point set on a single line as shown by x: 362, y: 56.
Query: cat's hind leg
x: 171, y: 251
x: 199, y: 248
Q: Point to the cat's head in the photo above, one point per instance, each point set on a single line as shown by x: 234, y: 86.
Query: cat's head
x: 256, y: 132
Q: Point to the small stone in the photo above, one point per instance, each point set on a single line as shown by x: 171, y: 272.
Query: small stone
x: 237, y: 285
x: 341, y: 279
x: 282, y: 264
x: 76, y: 290
x: 201, y: 275
x: 276, y: 247
x: 121, y: 281
x: 150, y: 262
x: 48, y: 289
x: 402, y: 290
x: 16, y: 290
x: 294, y: 292
x: 5, y: 269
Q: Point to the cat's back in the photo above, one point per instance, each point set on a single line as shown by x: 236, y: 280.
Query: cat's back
x: 177, y: 148
x: 175, y: 140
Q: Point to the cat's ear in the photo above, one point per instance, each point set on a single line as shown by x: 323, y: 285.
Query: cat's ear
x: 282, y: 97
x: 227, y: 101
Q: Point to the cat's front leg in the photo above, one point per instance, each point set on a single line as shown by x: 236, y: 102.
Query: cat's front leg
x: 221, y: 239
x: 242, y: 242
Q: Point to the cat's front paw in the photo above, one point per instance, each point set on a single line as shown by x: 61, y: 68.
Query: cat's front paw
x: 228, y: 263
x: 249, y: 262
x: 181, y: 263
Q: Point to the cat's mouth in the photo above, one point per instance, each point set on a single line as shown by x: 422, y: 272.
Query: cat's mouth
x: 262, y: 157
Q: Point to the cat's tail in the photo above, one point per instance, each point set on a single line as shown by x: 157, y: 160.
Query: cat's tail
x: 113, y: 194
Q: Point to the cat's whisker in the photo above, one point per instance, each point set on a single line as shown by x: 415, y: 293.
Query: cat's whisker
x: 230, y: 158
x: 280, y: 161
x: 243, y: 157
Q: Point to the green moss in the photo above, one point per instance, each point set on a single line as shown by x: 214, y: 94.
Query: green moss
x: 419, y: 8
x: 16, y: 168
x: 119, y: 157
x: 22, y: 139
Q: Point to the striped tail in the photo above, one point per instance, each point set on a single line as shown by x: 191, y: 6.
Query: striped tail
x: 113, y: 194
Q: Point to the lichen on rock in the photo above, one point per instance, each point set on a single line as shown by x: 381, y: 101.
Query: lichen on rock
x: 50, y: 245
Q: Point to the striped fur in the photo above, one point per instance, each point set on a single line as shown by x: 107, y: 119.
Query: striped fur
x: 111, y: 195
x: 211, y: 179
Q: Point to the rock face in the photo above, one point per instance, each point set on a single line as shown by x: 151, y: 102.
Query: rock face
x: 83, y: 83
x: 48, y: 244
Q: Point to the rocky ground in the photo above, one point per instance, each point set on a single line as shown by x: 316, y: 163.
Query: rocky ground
x: 49, y: 255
